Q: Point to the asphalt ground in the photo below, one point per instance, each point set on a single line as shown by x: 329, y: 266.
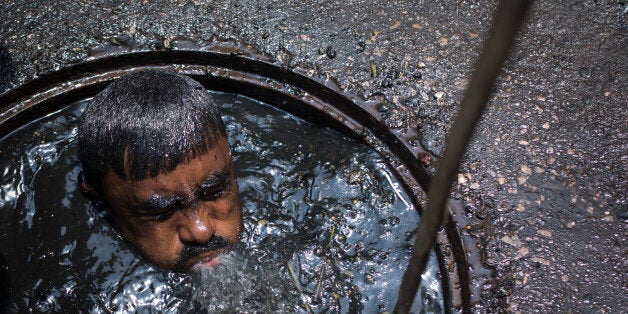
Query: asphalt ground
x: 544, y: 179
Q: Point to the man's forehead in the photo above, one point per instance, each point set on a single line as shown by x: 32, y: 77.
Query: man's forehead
x: 210, y: 169
x: 218, y: 152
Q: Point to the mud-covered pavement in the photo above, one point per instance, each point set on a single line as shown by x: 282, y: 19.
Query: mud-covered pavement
x: 545, y: 177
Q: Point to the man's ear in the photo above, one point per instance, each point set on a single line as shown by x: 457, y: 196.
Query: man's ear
x: 91, y: 193
x: 87, y: 189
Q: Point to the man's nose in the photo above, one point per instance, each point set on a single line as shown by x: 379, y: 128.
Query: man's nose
x: 195, y: 225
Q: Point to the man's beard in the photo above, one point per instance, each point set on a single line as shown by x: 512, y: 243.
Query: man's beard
x: 192, y: 249
x: 237, y: 284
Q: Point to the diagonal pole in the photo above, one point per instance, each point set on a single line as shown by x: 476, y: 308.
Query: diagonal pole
x: 508, y: 18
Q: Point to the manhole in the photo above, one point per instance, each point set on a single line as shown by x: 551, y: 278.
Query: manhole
x: 229, y: 71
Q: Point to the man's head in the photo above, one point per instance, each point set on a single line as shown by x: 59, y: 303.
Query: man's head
x: 154, y: 150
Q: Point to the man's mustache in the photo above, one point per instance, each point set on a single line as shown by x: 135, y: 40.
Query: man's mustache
x: 193, y: 249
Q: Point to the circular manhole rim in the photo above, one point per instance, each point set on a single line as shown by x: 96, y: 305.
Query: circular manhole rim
x: 225, y: 70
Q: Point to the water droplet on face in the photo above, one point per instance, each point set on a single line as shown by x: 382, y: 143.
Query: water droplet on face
x: 198, y: 224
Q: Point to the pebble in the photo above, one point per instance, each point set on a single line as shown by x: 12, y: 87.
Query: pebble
x: 373, y: 68
x: 394, y: 123
x: 425, y: 159
x: 525, y: 169
x: 462, y: 179
x: 189, y: 8
x: 330, y: 52
x: 577, y: 6
x: 513, y: 241
x: 523, y: 251
x: 424, y: 95
x: 439, y: 95
x: 132, y: 29
x: 544, y: 233
x: 383, y: 107
x: 522, y: 180
x: 584, y: 72
x: 167, y: 43
x: 119, y: 41
x: 541, y: 260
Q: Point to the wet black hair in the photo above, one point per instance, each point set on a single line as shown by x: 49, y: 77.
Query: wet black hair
x: 145, y: 124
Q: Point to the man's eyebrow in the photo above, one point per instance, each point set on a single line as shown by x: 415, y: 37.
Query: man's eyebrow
x: 214, y: 179
x: 156, y: 202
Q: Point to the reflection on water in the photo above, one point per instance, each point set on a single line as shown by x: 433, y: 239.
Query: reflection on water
x: 327, y: 227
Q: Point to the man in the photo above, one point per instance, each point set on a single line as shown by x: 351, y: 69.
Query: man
x: 154, y: 151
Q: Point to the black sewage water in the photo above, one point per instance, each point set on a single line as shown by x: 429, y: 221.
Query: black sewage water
x: 327, y: 227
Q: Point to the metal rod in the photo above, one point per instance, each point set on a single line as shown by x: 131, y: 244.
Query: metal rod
x: 507, y: 20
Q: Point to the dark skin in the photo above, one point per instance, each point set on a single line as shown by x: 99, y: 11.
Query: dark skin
x: 183, y: 218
